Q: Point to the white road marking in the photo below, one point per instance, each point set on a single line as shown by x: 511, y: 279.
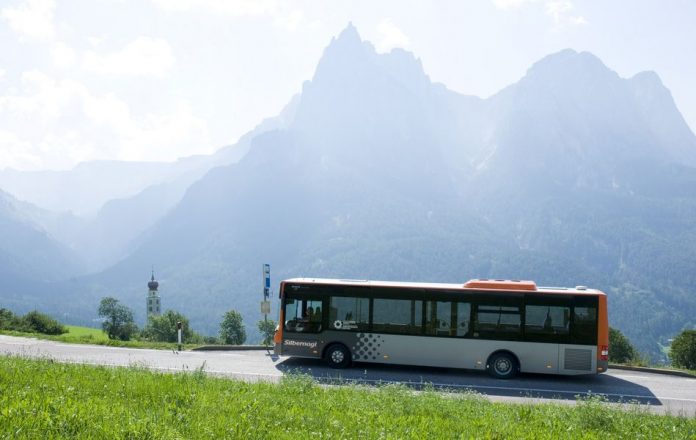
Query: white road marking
x: 538, y: 390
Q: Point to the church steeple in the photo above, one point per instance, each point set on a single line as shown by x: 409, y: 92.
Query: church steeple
x: 154, y: 304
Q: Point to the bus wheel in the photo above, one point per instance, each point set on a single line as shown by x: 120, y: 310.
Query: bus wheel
x: 337, y: 356
x: 503, y: 366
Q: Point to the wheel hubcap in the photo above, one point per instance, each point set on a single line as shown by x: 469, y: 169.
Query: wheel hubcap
x: 503, y: 366
x: 337, y: 356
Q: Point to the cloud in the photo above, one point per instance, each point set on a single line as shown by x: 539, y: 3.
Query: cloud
x: 32, y: 20
x: 391, y: 36
x: 278, y: 11
x: 290, y: 21
x: 63, y: 56
x: 142, y: 57
x: 560, y: 11
x: 511, y: 4
x: 58, y: 123
x: 234, y: 8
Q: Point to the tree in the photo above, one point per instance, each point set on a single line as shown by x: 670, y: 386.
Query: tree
x: 621, y: 351
x: 267, y: 329
x: 163, y: 328
x: 232, y: 328
x: 683, y: 350
x: 118, y: 322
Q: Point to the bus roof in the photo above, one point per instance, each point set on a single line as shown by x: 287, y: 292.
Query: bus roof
x: 471, y: 285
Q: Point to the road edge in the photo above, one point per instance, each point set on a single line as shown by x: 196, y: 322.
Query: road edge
x: 232, y: 348
x: 664, y: 371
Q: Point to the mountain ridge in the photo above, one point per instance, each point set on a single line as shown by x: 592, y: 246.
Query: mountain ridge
x: 377, y: 174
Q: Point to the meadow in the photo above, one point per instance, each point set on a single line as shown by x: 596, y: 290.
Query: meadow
x: 88, y: 335
x: 46, y: 399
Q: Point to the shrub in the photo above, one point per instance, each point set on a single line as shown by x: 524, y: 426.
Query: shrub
x: 6, y: 319
x: 267, y: 329
x: 163, y: 328
x: 683, y: 350
x: 42, y: 323
x: 32, y: 322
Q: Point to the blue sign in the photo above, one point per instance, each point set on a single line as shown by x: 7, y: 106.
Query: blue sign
x: 266, y: 280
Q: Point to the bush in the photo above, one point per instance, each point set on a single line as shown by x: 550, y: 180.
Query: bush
x: 163, y: 328
x: 621, y: 351
x: 42, y: 323
x: 683, y: 350
x: 32, y: 322
x: 267, y: 329
x: 211, y: 340
x: 6, y: 319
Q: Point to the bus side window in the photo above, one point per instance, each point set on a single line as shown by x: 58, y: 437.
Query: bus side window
x: 463, y: 317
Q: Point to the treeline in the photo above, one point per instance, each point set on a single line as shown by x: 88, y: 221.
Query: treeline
x: 32, y: 322
x: 118, y: 323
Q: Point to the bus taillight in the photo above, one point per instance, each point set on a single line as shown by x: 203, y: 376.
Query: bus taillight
x: 604, y: 353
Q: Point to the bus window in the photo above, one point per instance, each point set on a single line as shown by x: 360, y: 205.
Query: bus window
x: 398, y: 316
x: 497, y: 321
x: 584, y: 325
x: 546, y: 323
x: 303, y: 315
x: 463, y: 317
x: 438, y: 317
x: 347, y: 313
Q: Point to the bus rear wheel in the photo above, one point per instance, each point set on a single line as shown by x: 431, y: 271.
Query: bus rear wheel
x: 503, y: 366
x: 337, y: 356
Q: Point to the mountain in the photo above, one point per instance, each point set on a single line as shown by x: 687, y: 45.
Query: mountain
x: 29, y: 258
x: 127, y: 197
x: 573, y: 175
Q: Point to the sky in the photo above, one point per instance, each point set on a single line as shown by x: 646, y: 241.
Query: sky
x: 156, y: 80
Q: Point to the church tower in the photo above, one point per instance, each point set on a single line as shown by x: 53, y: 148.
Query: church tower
x: 154, y: 306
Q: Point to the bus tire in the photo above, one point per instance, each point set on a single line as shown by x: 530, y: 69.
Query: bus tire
x: 503, y: 365
x: 337, y: 356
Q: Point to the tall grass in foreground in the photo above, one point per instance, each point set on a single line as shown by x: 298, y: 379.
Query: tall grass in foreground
x: 43, y: 399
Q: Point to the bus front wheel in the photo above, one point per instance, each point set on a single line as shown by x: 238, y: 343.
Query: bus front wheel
x: 337, y: 356
x: 503, y: 366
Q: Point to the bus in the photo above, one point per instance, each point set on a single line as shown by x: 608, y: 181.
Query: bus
x: 501, y: 326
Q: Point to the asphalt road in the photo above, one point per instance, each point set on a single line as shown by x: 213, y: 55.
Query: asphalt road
x: 659, y: 393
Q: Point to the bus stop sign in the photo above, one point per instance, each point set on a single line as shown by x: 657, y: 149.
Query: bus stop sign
x: 266, y: 281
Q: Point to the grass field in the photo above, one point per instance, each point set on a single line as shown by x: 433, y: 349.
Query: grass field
x: 88, y: 335
x: 44, y: 399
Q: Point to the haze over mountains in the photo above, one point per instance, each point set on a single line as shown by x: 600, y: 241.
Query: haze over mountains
x: 571, y: 176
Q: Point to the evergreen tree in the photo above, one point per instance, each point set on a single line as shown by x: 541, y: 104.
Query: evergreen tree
x: 232, y: 328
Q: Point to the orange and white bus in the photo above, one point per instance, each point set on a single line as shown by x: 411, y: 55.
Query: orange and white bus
x: 501, y: 326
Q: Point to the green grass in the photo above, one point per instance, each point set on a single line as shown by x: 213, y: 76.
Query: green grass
x: 88, y: 335
x: 44, y: 399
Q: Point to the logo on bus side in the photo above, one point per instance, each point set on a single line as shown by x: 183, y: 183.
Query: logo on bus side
x: 307, y: 344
